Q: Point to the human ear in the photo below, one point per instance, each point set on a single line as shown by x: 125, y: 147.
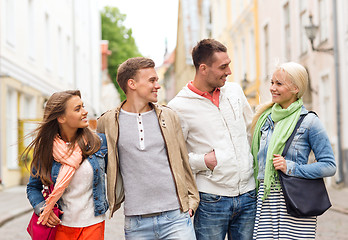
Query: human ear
x: 61, y: 119
x: 296, y: 90
x: 203, y: 67
x: 131, y: 84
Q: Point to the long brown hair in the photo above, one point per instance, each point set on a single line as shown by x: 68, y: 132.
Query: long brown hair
x: 48, y: 129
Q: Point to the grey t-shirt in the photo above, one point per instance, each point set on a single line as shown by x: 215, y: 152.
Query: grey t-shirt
x: 147, y: 178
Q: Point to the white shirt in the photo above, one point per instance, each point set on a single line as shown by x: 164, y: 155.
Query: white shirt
x: 77, y: 200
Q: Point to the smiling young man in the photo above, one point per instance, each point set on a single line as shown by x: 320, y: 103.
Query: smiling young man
x: 214, y: 117
x: 148, y: 164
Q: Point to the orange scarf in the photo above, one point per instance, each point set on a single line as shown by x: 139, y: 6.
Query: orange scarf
x: 70, y: 162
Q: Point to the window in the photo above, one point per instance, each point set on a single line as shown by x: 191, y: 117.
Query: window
x: 252, y: 56
x: 69, y: 61
x: 221, y: 16
x: 31, y: 30
x: 234, y: 11
x: 10, y: 23
x: 48, y: 43
x: 303, y: 36
x: 27, y: 110
x: 345, y: 22
x: 60, y: 53
x: 323, y: 21
x: 236, y: 65
x: 303, y: 5
x: 207, y: 17
x: 244, y: 68
x: 266, y: 47
x: 11, y: 129
x: 287, y: 33
x: 325, y: 102
x: 28, y: 107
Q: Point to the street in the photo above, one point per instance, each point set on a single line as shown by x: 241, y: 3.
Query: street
x: 16, y: 229
x: 332, y: 225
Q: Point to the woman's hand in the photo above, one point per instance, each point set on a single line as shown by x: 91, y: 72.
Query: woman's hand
x: 52, y: 220
x: 279, y: 163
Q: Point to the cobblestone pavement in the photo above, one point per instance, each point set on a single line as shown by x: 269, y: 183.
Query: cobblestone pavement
x: 14, y: 205
x: 332, y: 225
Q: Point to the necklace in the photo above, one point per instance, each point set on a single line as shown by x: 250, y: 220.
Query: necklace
x: 67, y: 143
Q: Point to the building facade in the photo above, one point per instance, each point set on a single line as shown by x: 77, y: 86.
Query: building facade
x: 45, y: 46
x: 342, y: 41
x: 240, y: 35
x: 259, y: 35
x: 232, y: 22
x: 283, y: 38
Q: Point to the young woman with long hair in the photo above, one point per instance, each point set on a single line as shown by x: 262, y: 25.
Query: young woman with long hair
x: 69, y: 155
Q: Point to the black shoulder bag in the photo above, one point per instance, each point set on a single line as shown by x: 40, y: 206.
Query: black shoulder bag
x: 303, y: 197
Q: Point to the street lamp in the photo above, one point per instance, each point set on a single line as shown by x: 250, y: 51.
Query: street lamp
x: 311, y: 32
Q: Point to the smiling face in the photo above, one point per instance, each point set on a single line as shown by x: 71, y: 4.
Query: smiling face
x: 217, y: 73
x: 145, y: 84
x: 75, y: 115
x: 283, y: 91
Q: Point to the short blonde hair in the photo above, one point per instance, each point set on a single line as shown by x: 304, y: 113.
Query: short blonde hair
x: 297, y: 74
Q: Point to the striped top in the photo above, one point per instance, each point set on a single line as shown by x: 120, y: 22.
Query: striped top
x: 273, y: 222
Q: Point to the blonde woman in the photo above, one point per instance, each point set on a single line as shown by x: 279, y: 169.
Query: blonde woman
x: 273, y: 125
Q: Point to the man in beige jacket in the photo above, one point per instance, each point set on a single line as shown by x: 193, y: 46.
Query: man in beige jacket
x: 148, y: 164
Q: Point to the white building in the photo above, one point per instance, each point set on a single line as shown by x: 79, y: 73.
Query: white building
x: 45, y: 46
x: 342, y: 33
x: 283, y: 38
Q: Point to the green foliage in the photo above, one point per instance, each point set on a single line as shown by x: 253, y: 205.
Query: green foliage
x: 121, y: 41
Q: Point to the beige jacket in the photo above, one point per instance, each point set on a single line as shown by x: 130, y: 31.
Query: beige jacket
x: 186, y: 188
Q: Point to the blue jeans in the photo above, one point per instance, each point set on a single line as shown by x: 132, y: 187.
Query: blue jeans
x: 217, y: 216
x: 173, y: 225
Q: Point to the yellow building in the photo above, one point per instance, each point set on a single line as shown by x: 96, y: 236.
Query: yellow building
x: 187, y: 36
x: 21, y: 105
x: 232, y: 22
x: 241, y: 37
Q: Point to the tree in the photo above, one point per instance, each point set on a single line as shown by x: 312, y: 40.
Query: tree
x: 121, y: 41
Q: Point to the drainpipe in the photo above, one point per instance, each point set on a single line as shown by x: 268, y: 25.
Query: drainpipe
x: 73, y: 40
x: 1, y: 110
x: 257, y: 51
x: 338, y: 95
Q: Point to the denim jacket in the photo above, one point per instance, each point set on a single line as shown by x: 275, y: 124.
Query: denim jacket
x: 98, y: 161
x: 311, y: 135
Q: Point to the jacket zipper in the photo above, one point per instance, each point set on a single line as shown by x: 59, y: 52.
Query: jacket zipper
x: 229, y: 132
x: 117, y: 159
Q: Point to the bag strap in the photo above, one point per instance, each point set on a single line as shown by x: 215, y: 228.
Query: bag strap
x: 288, y: 142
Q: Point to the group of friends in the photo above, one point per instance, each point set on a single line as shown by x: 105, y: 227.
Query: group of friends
x: 204, y: 167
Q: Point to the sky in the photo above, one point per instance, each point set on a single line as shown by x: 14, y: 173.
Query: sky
x: 153, y: 22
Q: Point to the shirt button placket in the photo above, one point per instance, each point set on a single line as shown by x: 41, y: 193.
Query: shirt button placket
x: 141, y: 132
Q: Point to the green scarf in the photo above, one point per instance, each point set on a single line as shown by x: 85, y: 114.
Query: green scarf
x: 286, y: 120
